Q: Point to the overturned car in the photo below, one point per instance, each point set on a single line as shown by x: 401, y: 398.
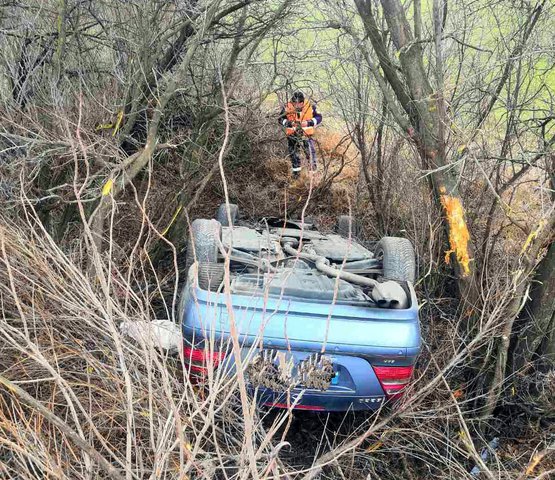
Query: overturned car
x: 315, y: 321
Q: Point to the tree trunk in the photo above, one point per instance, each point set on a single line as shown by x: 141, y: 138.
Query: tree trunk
x: 140, y: 159
x: 530, y: 265
x: 424, y: 108
x: 537, y: 338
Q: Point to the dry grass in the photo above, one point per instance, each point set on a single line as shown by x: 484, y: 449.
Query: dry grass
x: 70, y: 379
x: 81, y: 401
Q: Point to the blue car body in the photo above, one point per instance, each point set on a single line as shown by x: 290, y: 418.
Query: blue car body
x: 359, y: 340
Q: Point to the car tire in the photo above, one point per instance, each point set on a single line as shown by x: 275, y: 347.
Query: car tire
x: 210, y: 276
x: 398, y: 259
x: 346, y: 223
x: 202, y: 244
x: 221, y: 214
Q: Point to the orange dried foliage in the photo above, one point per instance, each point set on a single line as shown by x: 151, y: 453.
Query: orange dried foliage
x: 458, y: 393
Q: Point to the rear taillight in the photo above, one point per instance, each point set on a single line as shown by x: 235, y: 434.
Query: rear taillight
x: 198, y: 359
x: 393, y: 379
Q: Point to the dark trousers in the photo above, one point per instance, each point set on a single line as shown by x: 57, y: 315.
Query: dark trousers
x: 296, y: 143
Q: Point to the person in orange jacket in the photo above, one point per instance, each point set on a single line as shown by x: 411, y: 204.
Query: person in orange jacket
x: 300, y: 118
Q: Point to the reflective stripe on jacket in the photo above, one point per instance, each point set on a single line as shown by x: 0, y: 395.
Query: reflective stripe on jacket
x: 297, y: 117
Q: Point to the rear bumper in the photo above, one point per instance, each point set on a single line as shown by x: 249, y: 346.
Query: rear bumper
x: 315, y: 402
x: 353, y: 387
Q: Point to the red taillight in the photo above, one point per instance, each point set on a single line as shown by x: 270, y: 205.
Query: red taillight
x: 198, y: 358
x: 393, y: 379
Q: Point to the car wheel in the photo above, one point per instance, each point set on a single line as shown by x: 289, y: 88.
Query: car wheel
x: 347, y: 224
x: 202, y: 244
x: 210, y: 276
x: 221, y: 214
x: 398, y: 259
